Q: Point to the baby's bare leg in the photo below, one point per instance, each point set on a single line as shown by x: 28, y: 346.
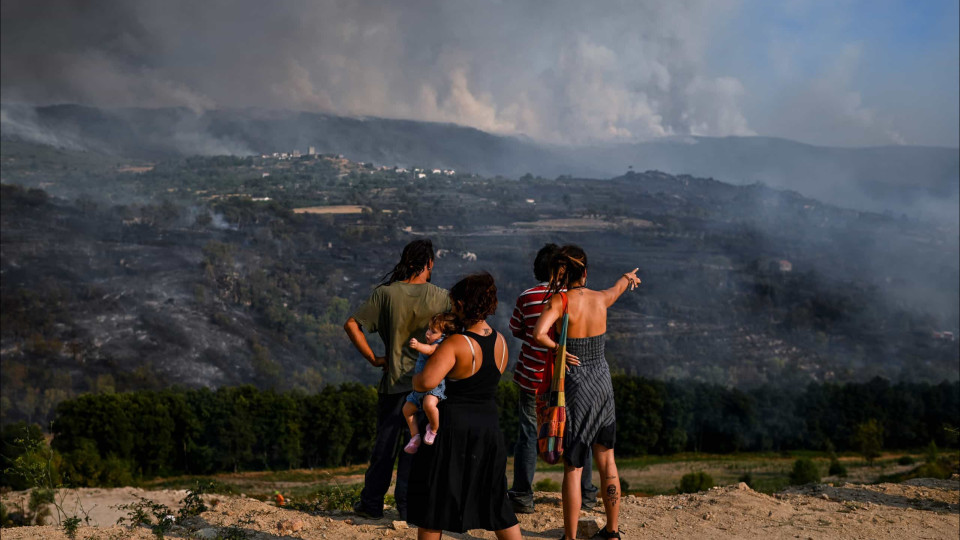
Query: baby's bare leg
x: 430, y: 409
x: 410, y: 414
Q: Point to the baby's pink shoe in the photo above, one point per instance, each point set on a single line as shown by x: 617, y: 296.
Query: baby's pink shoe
x: 413, y: 445
x: 430, y: 436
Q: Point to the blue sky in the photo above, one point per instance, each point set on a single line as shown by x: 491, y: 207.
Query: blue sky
x: 899, y: 58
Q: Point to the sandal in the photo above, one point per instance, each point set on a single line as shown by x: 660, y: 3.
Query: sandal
x: 604, y: 533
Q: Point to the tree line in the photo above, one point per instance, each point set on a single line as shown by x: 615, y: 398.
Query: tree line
x: 116, y: 438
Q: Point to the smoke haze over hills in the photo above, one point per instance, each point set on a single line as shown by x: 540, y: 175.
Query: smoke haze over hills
x: 920, y: 182
x: 850, y: 74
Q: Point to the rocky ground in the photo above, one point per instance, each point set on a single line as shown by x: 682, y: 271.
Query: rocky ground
x: 916, y: 509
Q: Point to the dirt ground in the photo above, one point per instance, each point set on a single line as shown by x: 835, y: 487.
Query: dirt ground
x: 916, y: 509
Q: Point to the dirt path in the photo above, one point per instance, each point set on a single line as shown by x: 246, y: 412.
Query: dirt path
x: 916, y: 509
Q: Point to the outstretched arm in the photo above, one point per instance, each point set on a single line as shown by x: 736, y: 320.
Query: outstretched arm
x: 355, y: 333
x: 422, y: 348
x: 629, y: 279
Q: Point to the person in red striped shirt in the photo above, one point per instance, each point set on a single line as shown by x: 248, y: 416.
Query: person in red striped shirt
x: 528, y: 375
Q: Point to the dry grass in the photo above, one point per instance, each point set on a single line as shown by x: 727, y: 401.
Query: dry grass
x: 137, y: 170
x: 341, y: 209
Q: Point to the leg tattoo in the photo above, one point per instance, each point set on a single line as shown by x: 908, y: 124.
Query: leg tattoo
x: 612, y: 494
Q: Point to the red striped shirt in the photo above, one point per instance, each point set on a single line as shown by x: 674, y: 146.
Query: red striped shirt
x: 528, y: 373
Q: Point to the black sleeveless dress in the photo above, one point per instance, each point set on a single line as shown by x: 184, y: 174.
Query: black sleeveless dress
x: 459, y: 482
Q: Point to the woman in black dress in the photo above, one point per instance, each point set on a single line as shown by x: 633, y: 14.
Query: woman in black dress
x: 591, y: 417
x: 459, y: 482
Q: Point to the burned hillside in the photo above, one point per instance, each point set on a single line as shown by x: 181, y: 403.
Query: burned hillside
x: 209, y: 272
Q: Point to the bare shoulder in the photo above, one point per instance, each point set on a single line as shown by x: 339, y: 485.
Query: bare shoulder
x: 591, y: 295
x: 451, y: 344
x: 598, y: 299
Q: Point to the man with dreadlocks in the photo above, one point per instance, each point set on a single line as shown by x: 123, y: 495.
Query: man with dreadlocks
x: 399, y: 309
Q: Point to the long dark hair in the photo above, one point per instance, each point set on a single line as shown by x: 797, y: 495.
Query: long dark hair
x: 568, y: 266
x: 474, y: 298
x: 541, y: 265
x: 415, y: 257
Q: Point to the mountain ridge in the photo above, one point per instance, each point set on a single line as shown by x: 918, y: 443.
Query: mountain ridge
x: 913, y: 180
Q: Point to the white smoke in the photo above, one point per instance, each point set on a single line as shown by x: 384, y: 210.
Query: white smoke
x: 565, y: 72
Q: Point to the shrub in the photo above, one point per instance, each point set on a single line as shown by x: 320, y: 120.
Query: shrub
x: 24, y: 456
x: 869, y: 439
x: 70, y: 526
x: 624, y: 485
x: 192, y: 504
x: 804, y: 471
x: 906, y: 460
x: 329, y: 498
x: 138, y: 513
x: 933, y: 469
x: 837, y: 468
x: 746, y: 478
x: 931, y: 453
x: 40, y: 498
x: 694, y: 482
x: 546, y: 484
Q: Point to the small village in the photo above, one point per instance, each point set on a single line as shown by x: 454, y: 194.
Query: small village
x: 418, y: 172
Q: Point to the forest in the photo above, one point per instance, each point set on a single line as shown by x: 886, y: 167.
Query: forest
x: 113, y: 439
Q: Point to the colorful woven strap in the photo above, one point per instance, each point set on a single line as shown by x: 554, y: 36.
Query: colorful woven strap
x: 559, y: 364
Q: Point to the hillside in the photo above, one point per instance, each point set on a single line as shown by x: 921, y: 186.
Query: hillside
x: 125, y: 274
x: 917, y: 181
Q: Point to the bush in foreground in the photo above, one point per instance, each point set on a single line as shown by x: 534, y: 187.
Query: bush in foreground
x: 804, y: 471
x: 694, y: 482
x: 837, y: 468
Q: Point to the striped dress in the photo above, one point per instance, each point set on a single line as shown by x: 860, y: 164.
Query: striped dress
x: 591, y: 416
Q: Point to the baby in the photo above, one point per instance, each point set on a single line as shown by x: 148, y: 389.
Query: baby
x: 441, y: 325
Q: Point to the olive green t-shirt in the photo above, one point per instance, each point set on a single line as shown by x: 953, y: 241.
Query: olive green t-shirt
x: 400, y: 311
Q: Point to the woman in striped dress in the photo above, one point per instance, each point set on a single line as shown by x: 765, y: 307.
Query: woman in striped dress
x: 591, y: 417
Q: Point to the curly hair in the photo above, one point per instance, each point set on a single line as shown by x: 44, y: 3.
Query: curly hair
x: 445, y: 323
x: 474, y: 298
x: 568, y: 266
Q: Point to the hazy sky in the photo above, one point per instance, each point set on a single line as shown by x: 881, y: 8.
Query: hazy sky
x: 837, y: 72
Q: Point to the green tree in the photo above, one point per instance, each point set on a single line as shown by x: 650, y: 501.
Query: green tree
x: 868, y: 439
x: 639, y: 418
x: 325, y: 414
x: 265, y: 369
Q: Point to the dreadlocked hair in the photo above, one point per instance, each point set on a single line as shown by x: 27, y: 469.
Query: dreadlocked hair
x: 474, y: 298
x: 568, y: 266
x: 415, y: 257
